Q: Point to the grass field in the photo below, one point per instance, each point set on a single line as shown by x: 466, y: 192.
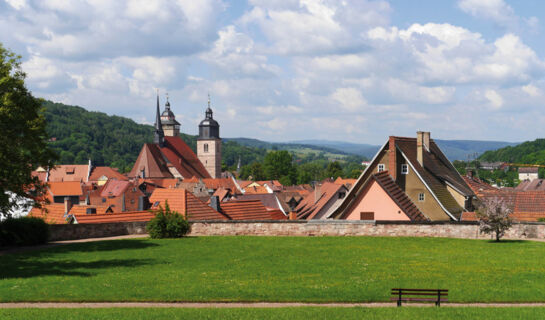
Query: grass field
x: 320, y: 269
x: 281, y: 313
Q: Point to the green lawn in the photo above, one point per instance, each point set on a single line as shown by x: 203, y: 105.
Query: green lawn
x: 281, y: 313
x: 316, y: 269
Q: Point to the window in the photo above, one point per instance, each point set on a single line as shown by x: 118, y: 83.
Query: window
x: 367, y: 216
x: 404, y: 169
x: 421, y: 196
x: 206, y: 147
x: 380, y: 167
x: 341, y: 195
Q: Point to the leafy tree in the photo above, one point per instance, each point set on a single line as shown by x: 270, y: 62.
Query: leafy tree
x: 278, y: 164
x: 334, y: 170
x: 254, y: 170
x: 23, y: 138
x: 493, y: 215
x: 168, y: 223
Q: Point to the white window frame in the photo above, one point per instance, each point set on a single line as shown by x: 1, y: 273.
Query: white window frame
x: 404, y: 168
x: 381, y: 167
x: 421, y: 197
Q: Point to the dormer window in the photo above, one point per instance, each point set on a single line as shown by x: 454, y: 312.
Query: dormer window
x: 404, y: 169
x: 381, y: 167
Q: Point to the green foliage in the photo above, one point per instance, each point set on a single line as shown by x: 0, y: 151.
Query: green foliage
x: 168, y: 224
x: 23, y: 231
x: 279, y: 165
x: 23, y: 138
x: 334, y: 170
x: 529, y: 152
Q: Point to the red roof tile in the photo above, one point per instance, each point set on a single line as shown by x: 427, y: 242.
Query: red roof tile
x: 184, y: 202
x: 114, y: 188
x: 69, y: 172
x: 315, y: 201
x: 67, y: 188
x: 108, y: 172
x: 249, y: 210
x: 51, y: 213
x: 114, y: 217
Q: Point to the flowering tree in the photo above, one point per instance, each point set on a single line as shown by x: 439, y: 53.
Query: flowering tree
x: 493, y: 214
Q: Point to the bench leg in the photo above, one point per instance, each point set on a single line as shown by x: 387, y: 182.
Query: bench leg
x: 399, y: 303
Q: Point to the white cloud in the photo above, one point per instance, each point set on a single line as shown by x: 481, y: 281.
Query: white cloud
x: 496, y: 101
x: 350, y: 99
x: 495, y: 10
x: 531, y: 90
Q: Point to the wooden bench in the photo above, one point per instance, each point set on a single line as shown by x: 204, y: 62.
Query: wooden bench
x: 425, y: 295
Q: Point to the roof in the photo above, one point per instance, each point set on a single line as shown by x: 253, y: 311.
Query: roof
x: 51, y: 213
x: 108, y: 172
x: 315, y: 201
x: 527, y: 205
x: 347, y: 182
x: 114, y: 188
x: 82, y: 209
x: 269, y: 200
x: 477, y: 185
x: 152, y: 161
x: 528, y: 170
x: 184, y: 202
x: 67, y: 188
x: 221, y: 193
x: 534, y: 185
x: 114, y: 217
x: 69, y: 172
x: 180, y: 155
x: 250, y: 210
x: 256, y: 190
x: 436, y: 173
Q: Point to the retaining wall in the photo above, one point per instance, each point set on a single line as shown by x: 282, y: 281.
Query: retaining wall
x: 467, y: 230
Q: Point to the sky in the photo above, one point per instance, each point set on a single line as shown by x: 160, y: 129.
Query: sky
x: 282, y: 70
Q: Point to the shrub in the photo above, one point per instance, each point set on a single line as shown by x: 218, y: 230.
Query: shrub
x: 168, y: 224
x: 23, y: 231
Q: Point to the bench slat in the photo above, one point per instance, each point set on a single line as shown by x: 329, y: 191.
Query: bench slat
x: 419, y: 299
x: 435, y: 290
x: 420, y: 293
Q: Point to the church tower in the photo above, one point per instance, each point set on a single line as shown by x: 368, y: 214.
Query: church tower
x: 209, y: 144
x: 171, y: 127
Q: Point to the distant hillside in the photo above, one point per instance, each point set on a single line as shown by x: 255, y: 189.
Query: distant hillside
x: 453, y: 149
x: 530, y: 152
x: 299, y: 149
x: 79, y: 135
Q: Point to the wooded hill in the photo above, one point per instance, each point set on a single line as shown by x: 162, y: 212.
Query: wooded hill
x: 529, y: 152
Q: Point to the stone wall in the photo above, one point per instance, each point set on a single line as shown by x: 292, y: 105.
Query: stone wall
x: 467, y: 230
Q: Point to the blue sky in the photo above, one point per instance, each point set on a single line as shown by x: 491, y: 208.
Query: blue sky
x: 282, y: 70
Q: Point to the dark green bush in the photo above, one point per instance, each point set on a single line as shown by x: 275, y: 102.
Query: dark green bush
x: 168, y: 224
x: 23, y: 231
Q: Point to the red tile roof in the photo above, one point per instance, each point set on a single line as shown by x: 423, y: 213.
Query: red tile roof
x: 114, y: 188
x: 528, y: 170
x: 69, y: 172
x: 114, y: 217
x: 153, y: 163
x: 108, y: 172
x: 51, y: 213
x: 256, y: 190
x: 82, y: 209
x: 249, y: 210
x: 315, y: 201
x: 183, y: 158
x: 66, y: 188
x: 477, y: 185
x: 527, y: 205
x: 534, y: 185
x: 184, y: 202
x: 347, y: 182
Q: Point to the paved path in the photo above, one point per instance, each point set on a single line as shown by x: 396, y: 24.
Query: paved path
x: 17, y: 305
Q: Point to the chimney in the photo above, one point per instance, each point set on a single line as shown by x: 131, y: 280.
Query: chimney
x: 142, y: 203
x: 469, y: 172
x: 67, y: 205
x: 392, y: 161
x: 292, y: 215
x: 215, y: 203
x: 422, y: 143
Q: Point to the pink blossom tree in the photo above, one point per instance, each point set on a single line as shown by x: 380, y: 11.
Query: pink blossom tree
x: 493, y: 214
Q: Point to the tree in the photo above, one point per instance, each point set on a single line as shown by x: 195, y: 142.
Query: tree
x: 334, y: 170
x: 278, y: 164
x: 493, y: 214
x: 23, y: 138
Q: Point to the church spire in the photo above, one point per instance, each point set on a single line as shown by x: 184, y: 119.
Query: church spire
x: 159, y: 135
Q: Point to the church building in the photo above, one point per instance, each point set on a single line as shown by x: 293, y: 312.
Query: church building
x: 209, y: 144
x: 170, y: 157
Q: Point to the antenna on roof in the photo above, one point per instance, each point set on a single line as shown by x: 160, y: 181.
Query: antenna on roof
x: 208, y: 99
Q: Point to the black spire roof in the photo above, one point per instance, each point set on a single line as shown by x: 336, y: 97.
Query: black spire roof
x: 159, y: 135
x: 167, y: 117
x: 209, y: 128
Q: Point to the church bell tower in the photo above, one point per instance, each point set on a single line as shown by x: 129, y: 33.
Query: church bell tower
x: 209, y: 144
x: 171, y: 127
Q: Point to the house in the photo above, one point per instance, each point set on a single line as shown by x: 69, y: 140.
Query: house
x: 322, y: 202
x: 420, y: 171
x: 69, y: 172
x: 269, y: 200
x: 59, y: 191
x: 531, y: 185
x: 491, y: 165
x: 528, y: 173
x: 119, y: 196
